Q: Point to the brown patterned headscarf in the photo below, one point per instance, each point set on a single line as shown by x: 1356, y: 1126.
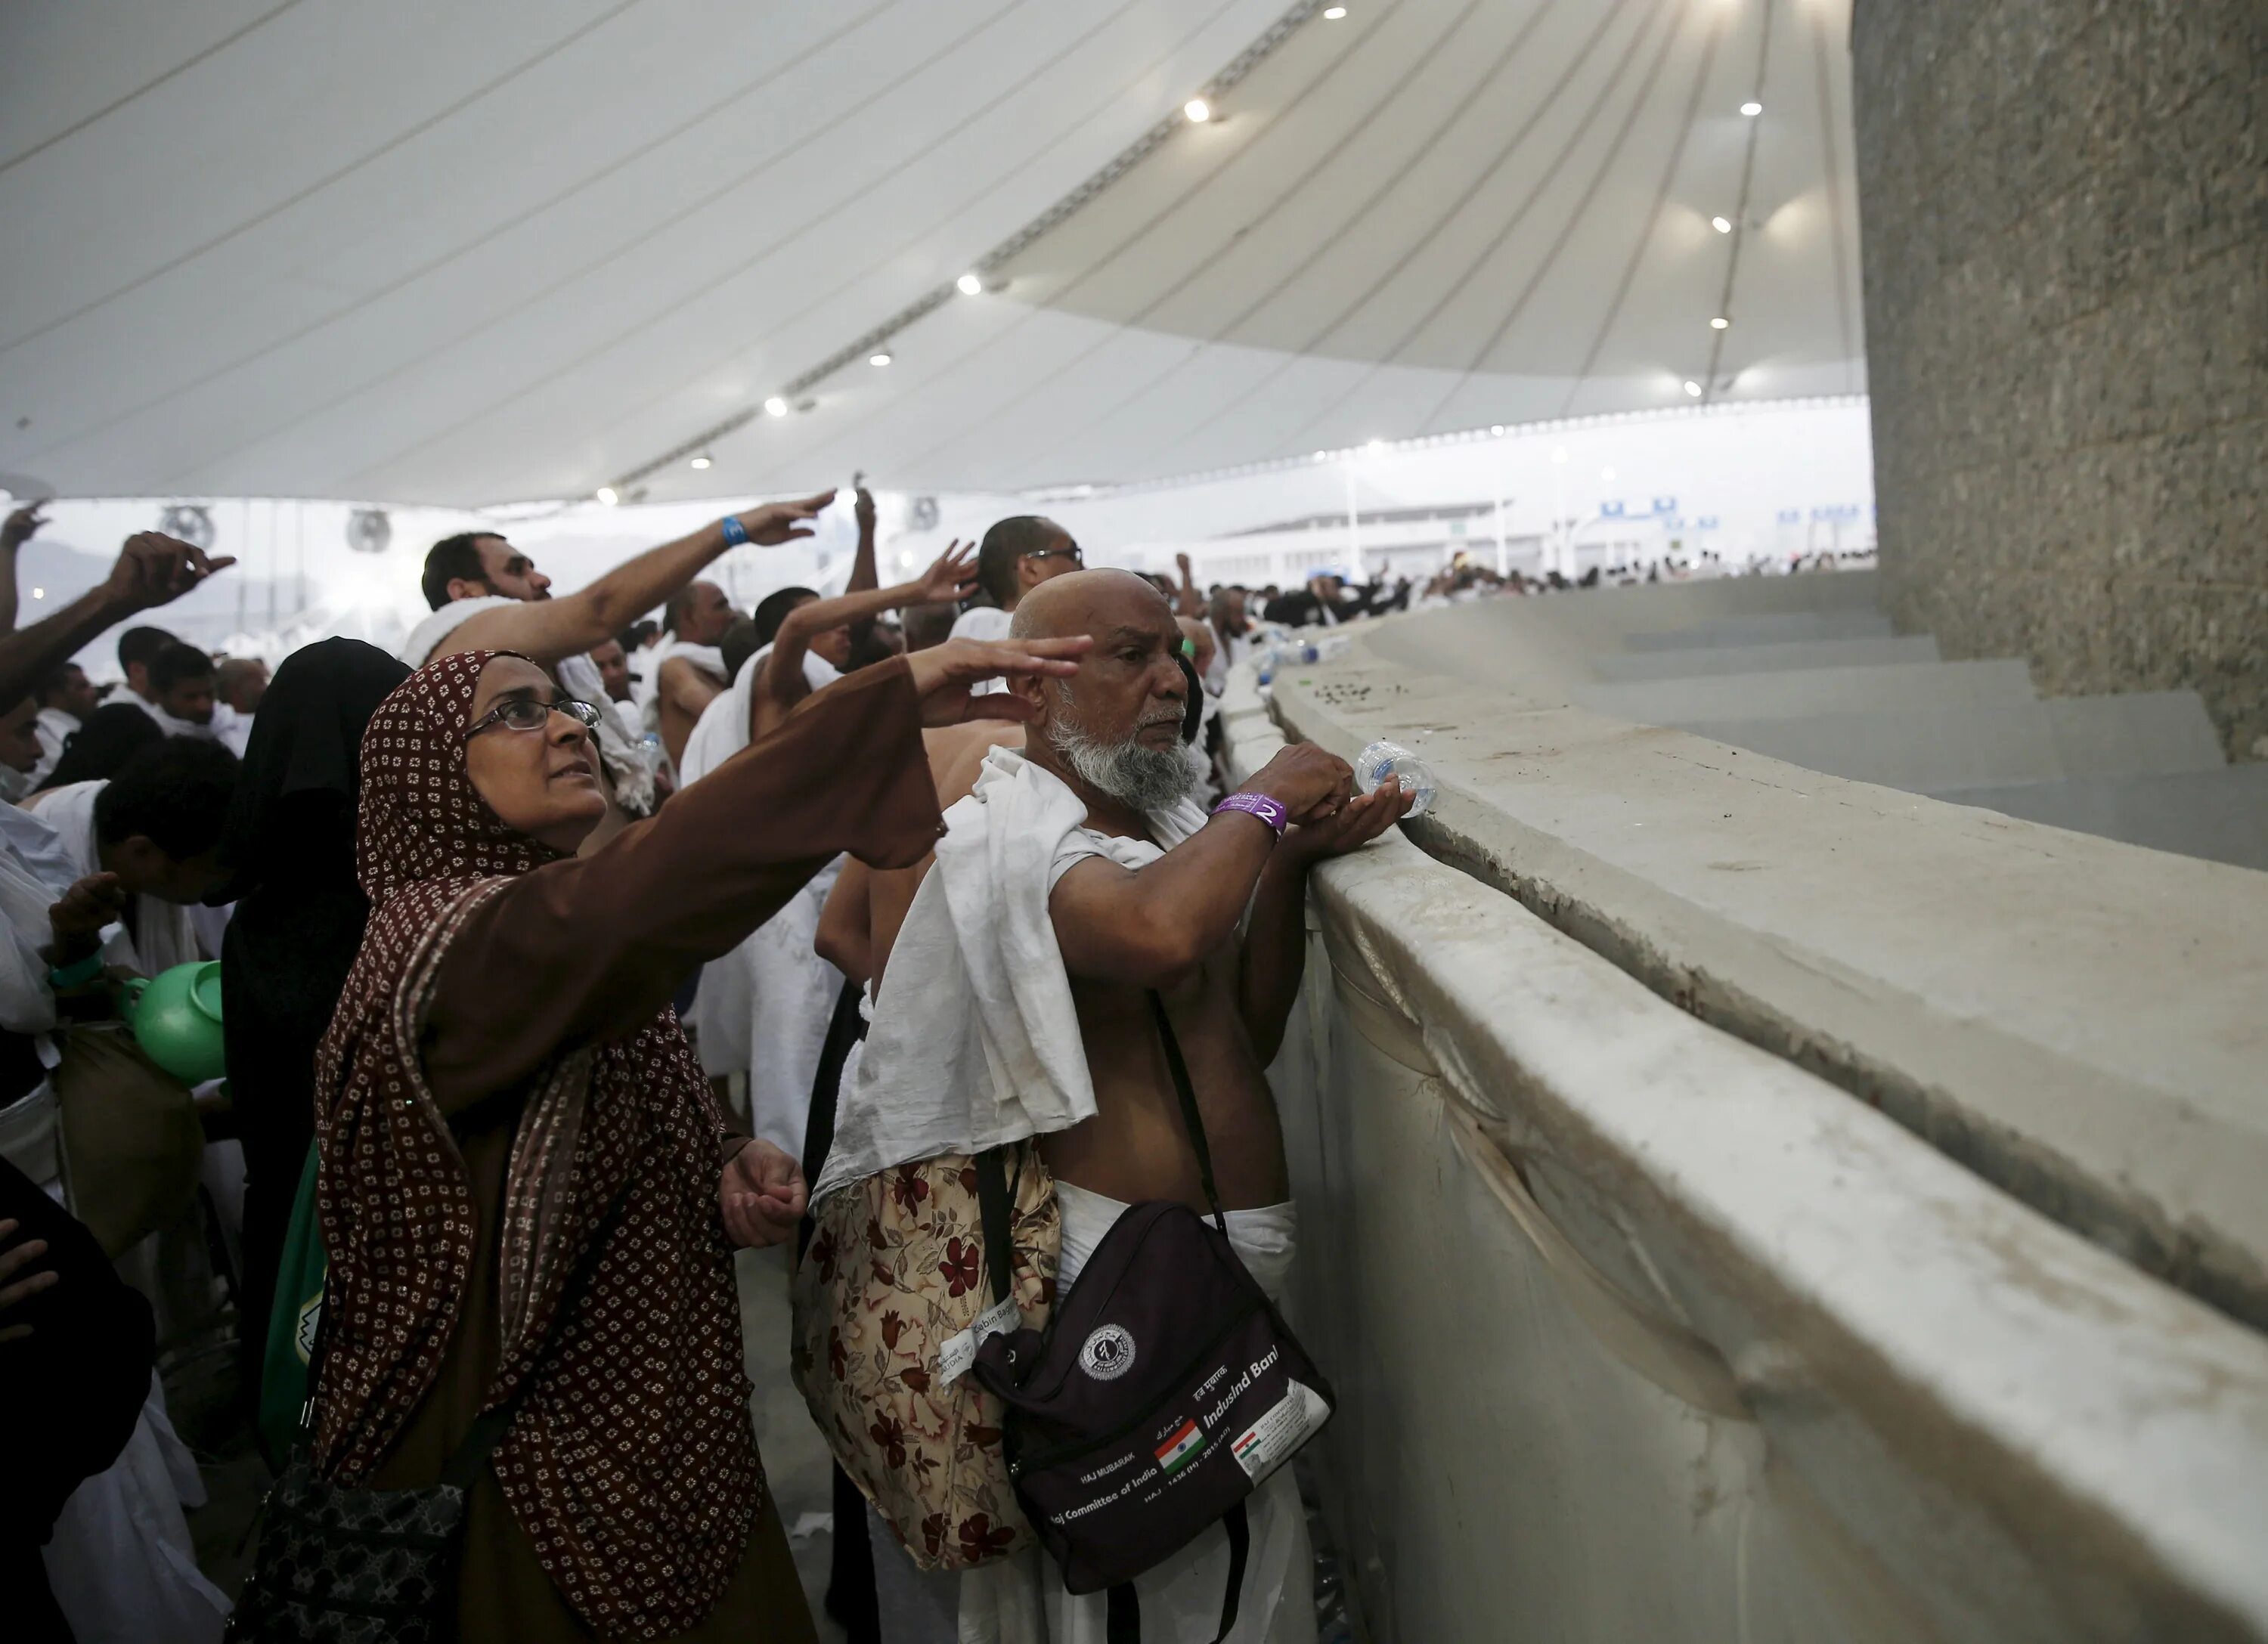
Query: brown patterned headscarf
x: 630, y: 1462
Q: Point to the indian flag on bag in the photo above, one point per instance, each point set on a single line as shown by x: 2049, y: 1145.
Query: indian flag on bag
x: 1179, y: 1450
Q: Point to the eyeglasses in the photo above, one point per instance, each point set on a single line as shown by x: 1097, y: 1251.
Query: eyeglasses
x: 1072, y: 553
x: 525, y: 713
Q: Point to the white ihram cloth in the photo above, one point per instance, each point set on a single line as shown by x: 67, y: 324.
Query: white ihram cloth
x: 203, y: 730
x: 165, y: 932
x: 708, y: 658
x: 974, y: 1041
x: 762, y: 1009
x: 627, y: 769
x: 53, y: 728
x: 121, y: 1562
x: 987, y: 623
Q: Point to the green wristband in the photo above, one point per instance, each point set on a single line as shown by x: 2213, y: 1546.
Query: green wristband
x: 64, y: 978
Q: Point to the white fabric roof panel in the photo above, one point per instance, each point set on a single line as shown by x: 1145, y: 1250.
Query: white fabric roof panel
x: 465, y: 254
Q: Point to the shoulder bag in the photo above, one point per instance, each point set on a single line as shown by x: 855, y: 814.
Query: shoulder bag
x: 1166, y: 1388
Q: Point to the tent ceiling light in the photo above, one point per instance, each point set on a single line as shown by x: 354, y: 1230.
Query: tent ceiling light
x: 882, y: 358
x: 1197, y: 111
x: 1752, y: 108
x: 775, y: 407
x: 700, y: 462
x: 1332, y: 14
x: 971, y: 284
x: 1720, y: 323
x: 1692, y: 388
x: 1723, y: 225
x: 605, y: 494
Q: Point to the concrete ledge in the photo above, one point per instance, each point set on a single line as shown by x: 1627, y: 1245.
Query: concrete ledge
x: 1642, y: 1333
x: 2078, y: 1021
x: 1801, y: 693
x: 1870, y: 651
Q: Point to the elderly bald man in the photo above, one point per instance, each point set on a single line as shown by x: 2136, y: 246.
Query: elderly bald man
x: 1148, y: 894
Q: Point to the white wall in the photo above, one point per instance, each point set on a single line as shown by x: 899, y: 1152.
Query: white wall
x: 1746, y: 467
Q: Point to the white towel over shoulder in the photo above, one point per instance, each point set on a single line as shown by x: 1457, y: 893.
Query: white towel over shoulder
x: 974, y: 1041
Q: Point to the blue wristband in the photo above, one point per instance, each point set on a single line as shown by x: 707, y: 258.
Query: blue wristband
x: 735, y: 533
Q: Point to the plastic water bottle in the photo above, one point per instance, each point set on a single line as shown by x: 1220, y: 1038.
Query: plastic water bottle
x: 1383, y: 761
x: 650, y: 747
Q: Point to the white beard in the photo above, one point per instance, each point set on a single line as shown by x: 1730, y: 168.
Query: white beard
x: 1147, y: 779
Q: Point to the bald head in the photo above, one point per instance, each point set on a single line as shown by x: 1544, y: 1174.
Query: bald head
x: 699, y: 613
x: 1088, y: 602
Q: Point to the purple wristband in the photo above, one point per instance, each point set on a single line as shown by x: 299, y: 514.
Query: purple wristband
x: 1258, y: 806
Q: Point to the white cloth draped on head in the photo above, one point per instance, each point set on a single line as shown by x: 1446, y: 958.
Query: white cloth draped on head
x: 627, y: 769
x: 763, y: 1010
x: 165, y: 932
x: 975, y: 1040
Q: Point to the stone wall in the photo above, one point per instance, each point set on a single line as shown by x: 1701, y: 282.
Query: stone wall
x: 2065, y: 205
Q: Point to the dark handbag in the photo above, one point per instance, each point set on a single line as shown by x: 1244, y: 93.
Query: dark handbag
x: 1166, y: 1388
x: 342, y: 1563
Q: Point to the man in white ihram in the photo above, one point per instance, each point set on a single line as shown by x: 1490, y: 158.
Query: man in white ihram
x: 486, y: 594
x: 1077, y: 876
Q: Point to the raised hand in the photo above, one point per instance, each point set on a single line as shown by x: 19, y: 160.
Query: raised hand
x: 950, y: 577
x: 775, y: 523
x: 155, y: 569
x: 82, y: 911
x: 862, y: 506
x: 943, y: 673
x: 20, y: 525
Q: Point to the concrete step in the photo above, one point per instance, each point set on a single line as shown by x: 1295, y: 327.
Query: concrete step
x: 2220, y: 816
x: 1942, y: 750
x: 1802, y: 693
x: 1771, y: 628
x: 2136, y: 733
x: 1868, y: 651
x: 1922, y: 750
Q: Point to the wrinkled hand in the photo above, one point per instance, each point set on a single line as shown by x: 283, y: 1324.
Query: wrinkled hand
x: 1363, y: 819
x: 80, y: 914
x: 950, y: 577
x: 13, y: 1261
x: 760, y: 1195
x: 20, y: 525
x: 1308, y: 782
x: 775, y: 523
x: 155, y: 569
x: 943, y: 673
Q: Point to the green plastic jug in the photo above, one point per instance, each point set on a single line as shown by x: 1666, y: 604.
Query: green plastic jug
x: 175, y: 1016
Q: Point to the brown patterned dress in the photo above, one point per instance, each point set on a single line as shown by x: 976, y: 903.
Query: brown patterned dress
x: 505, y: 1101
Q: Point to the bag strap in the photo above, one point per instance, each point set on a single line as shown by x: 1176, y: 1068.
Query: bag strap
x: 992, y: 1202
x: 1190, y: 1117
x: 1122, y: 1619
x: 463, y: 1467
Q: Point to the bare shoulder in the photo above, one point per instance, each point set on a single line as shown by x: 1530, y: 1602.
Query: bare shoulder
x: 956, y: 754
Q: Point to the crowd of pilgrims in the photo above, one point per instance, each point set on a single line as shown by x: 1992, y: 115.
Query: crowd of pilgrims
x: 553, y: 952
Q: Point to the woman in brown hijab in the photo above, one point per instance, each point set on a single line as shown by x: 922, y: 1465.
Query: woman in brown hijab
x: 508, y: 1114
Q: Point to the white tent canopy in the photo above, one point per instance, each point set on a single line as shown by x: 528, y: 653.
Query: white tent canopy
x: 460, y: 254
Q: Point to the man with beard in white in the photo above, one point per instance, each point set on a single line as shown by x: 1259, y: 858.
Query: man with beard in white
x: 487, y: 595
x: 1086, y: 848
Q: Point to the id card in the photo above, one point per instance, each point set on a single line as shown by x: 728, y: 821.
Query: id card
x: 960, y: 1352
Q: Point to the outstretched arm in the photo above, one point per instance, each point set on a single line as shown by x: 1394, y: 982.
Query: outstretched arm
x: 153, y: 569
x: 591, y: 948
x: 548, y: 629
x: 782, y: 687
x: 1151, y: 927
x: 14, y: 533
x: 1188, y: 601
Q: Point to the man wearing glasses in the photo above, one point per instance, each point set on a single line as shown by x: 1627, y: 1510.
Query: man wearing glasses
x: 1016, y: 557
